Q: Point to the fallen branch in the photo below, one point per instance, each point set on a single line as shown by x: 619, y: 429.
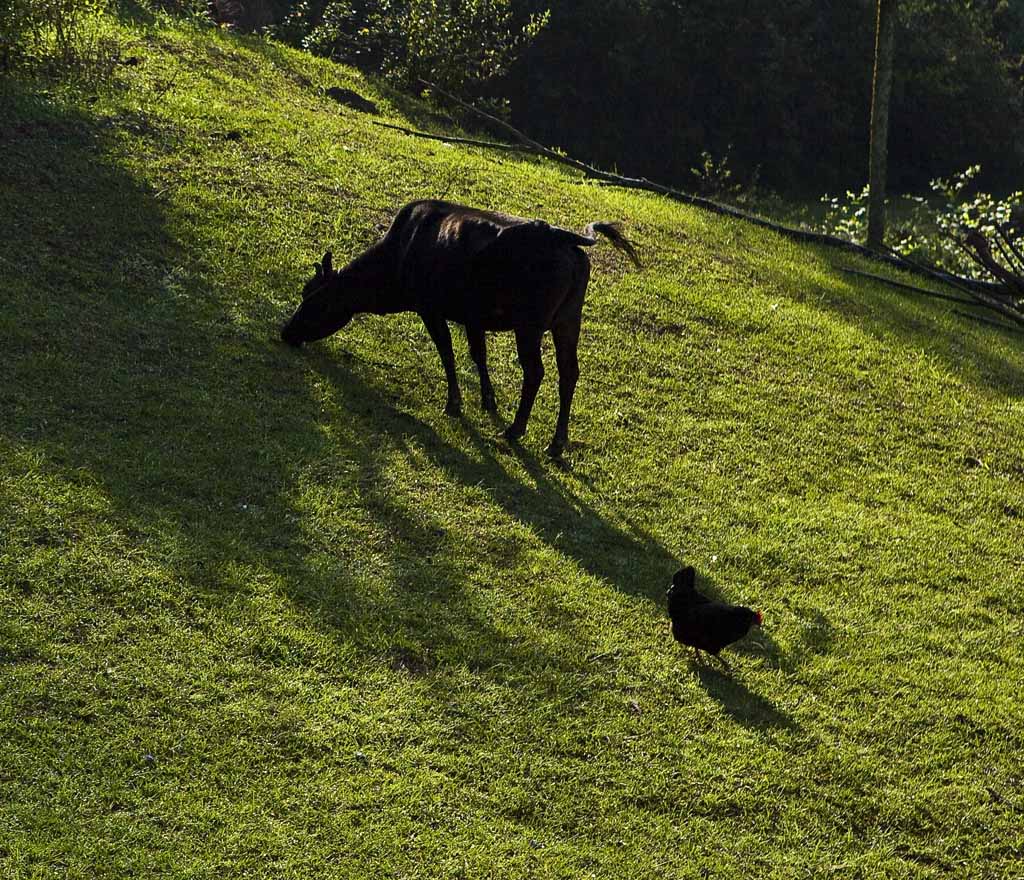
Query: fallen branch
x: 1012, y: 245
x: 978, y: 247
x: 910, y: 287
x: 975, y: 301
x: 971, y: 255
x: 1016, y: 271
x: 492, y: 145
x: 997, y: 305
x: 983, y: 320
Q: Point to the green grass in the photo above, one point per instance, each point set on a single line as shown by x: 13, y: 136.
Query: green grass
x: 267, y: 613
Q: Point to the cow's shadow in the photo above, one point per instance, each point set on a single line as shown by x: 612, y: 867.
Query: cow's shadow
x: 625, y: 557
x: 552, y: 502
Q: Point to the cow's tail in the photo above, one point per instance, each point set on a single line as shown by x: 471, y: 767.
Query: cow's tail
x: 613, y: 232
x: 537, y: 232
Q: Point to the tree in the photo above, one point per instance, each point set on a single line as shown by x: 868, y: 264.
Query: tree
x: 881, y: 90
x: 458, y: 44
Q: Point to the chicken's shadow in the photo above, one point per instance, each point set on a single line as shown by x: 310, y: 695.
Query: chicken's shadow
x: 742, y: 704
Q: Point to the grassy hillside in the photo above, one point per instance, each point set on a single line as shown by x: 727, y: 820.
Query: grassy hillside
x: 267, y: 613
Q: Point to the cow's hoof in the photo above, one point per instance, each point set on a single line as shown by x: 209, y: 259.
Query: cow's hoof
x: 453, y: 409
x: 555, y: 449
x: 489, y: 403
x: 512, y: 433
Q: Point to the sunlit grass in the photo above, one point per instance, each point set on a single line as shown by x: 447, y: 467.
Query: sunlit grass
x: 269, y: 613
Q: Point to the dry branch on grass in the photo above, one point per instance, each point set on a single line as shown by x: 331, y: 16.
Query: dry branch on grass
x: 470, y: 142
x: 911, y: 288
x: 1012, y: 278
x: 999, y: 298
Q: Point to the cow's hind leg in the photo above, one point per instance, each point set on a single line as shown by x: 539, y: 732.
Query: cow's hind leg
x: 567, y: 337
x: 439, y: 332
x: 478, y: 350
x: 528, y: 349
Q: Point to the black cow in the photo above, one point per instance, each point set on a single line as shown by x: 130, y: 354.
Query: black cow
x: 481, y: 269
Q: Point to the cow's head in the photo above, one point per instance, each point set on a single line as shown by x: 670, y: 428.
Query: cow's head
x: 324, y: 308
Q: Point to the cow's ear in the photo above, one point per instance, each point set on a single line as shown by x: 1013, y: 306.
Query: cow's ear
x: 327, y: 263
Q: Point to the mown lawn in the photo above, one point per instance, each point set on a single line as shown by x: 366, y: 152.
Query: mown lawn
x: 267, y: 613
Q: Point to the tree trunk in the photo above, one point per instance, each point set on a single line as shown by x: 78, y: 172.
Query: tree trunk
x: 880, y: 93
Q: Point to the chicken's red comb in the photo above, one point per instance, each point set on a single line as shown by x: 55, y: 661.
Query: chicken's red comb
x: 760, y: 617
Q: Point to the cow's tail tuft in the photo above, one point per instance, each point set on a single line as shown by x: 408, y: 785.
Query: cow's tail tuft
x: 613, y: 232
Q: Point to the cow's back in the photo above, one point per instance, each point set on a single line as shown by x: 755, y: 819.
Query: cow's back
x: 485, y: 267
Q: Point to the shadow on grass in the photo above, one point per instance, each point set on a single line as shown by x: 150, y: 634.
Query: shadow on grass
x: 986, y: 357
x: 633, y: 562
x: 740, y: 703
x: 124, y: 366
x: 123, y: 361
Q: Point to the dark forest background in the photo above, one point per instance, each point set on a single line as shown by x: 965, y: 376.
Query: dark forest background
x: 649, y: 86
x: 786, y: 85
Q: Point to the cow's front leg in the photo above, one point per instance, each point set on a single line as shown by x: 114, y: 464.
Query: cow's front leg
x: 528, y: 349
x: 478, y: 350
x: 437, y: 327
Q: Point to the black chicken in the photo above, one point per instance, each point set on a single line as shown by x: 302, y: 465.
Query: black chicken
x: 703, y: 623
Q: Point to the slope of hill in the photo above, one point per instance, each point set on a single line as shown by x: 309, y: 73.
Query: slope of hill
x: 269, y: 613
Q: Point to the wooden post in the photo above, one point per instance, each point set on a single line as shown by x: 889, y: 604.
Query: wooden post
x: 881, y: 91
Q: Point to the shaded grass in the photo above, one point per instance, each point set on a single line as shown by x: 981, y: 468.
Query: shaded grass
x: 273, y: 614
